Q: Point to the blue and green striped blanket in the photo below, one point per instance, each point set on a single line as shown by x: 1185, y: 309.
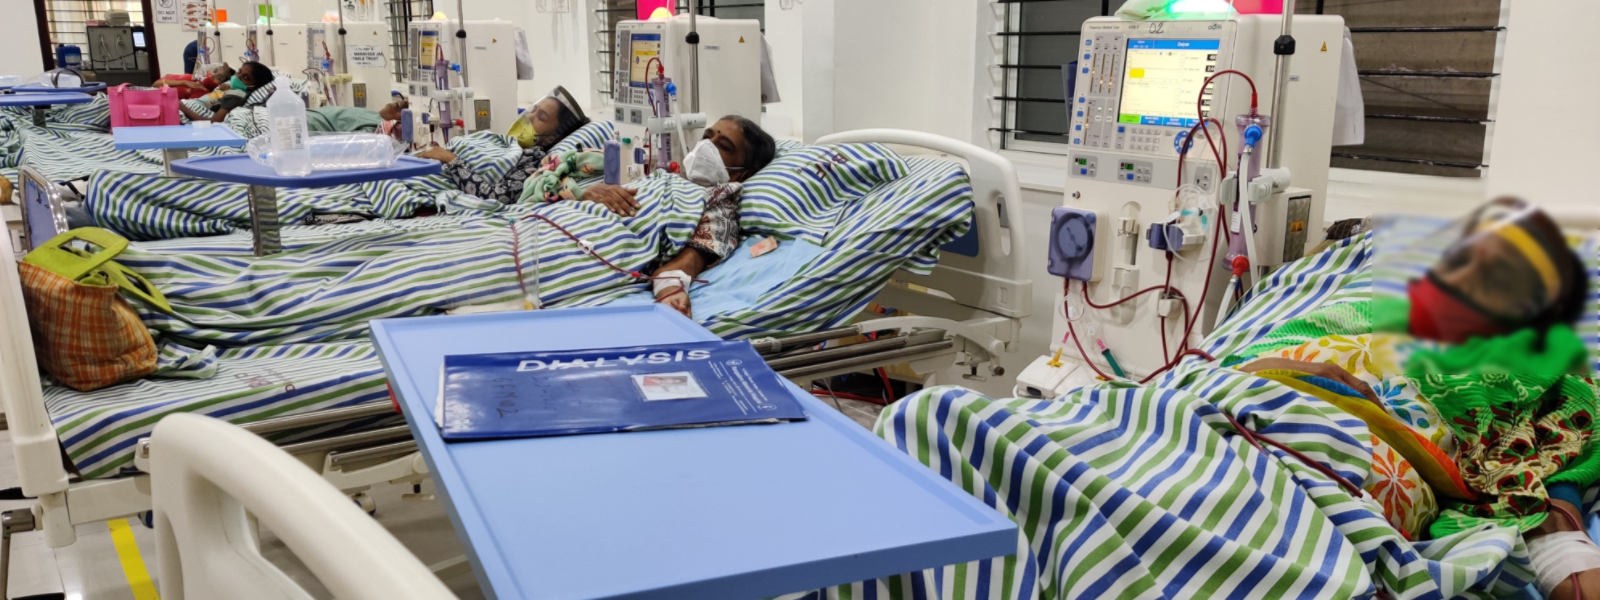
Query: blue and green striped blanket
x: 1124, y: 491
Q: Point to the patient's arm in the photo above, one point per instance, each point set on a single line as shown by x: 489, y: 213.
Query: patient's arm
x: 692, y: 263
x: 716, y: 237
x: 193, y: 116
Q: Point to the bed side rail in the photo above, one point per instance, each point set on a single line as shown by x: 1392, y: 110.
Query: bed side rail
x: 33, y: 439
x: 206, y: 474
x: 995, y: 280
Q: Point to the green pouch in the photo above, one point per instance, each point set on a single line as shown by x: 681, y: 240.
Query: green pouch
x: 90, y: 263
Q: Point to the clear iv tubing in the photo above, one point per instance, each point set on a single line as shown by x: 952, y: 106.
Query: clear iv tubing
x: 1194, y: 317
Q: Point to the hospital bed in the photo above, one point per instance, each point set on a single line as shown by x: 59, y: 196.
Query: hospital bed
x: 968, y: 302
x: 207, y: 474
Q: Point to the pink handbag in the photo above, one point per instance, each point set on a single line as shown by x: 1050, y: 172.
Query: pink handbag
x: 143, y: 108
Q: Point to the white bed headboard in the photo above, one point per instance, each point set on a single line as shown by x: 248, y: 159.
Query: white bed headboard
x: 994, y: 280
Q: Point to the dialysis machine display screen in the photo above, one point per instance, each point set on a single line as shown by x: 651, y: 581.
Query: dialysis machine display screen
x: 1163, y: 80
x: 645, y: 46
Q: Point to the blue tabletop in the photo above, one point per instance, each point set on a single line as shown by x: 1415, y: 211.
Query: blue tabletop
x: 34, y: 88
x: 723, y: 512
x: 174, y: 136
x: 44, y: 99
x: 240, y: 168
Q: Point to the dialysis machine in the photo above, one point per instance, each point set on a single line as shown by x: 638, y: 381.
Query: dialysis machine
x: 729, y: 77
x: 258, y: 43
x: 222, y: 43
x: 353, y: 66
x: 455, y: 96
x: 288, y: 42
x: 1129, y: 223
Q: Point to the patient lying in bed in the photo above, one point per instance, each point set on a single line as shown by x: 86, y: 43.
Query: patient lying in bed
x: 732, y: 149
x: 1486, y: 341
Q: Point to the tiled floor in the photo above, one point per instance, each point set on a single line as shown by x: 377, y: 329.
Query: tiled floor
x: 90, y: 570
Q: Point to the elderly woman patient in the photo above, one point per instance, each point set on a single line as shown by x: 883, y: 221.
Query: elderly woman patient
x: 732, y: 149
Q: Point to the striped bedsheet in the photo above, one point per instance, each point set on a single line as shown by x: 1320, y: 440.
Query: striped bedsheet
x: 98, y: 429
x: 1125, y: 491
x: 335, y: 278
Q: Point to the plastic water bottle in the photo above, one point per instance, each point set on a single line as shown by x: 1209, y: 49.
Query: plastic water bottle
x: 613, y: 161
x: 290, y: 157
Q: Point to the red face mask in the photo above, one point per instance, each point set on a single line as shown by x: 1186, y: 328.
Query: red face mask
x: 1437, y: 314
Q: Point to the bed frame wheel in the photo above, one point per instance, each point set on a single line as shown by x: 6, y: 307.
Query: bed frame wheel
x: 366, y: 503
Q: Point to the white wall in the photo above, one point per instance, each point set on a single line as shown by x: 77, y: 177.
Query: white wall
x: 1543, y: 147
x: 785, y: 33
x: 905, y: 64
x: 817, y: 51
x: 21, y: 31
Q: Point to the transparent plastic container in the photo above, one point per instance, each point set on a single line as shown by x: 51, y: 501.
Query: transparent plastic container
x: 287, y: 133
x: 337, y: 151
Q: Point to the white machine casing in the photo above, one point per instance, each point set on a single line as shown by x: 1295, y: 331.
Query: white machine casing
x: 287, y: 40
x: 491, y: 68
x: 363, y: 84
x: 1126, y: 173
x: 730, y: 71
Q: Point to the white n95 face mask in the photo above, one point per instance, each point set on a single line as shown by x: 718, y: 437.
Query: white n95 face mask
x: 704, y: 165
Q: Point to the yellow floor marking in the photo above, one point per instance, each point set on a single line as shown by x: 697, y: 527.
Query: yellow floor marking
x: 132, y: 563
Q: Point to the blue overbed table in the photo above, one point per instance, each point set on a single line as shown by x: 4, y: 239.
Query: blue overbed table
x: 39, y: 88
x: 174, y: 141
x: 263, y: 182
x: 42, y: 102
x: 723, y: 512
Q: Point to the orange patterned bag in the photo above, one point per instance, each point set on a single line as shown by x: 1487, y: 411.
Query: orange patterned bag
x: 86, y: 335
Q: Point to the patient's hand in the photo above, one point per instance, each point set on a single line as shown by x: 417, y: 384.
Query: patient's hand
x: 678, y: 300
x: 1323, y: 370
x: 439, y: 154
x: 615, y: 197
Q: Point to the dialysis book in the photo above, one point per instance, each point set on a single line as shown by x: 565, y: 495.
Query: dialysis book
x: 532, y: 394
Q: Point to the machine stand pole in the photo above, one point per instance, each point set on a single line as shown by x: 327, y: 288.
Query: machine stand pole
x: 694, y: 64
x: 338, y: 61
x: 39, y: 113
x: 171, y: 154
x: 264, y: 220
x: 1283, y: 47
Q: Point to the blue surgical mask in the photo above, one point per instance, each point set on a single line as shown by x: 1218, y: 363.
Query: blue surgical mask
x: 236, y: 83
